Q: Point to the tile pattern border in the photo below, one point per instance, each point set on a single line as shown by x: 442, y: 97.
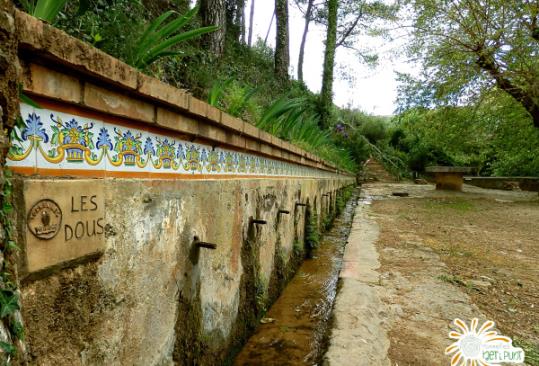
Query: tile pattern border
x: 55, y: 142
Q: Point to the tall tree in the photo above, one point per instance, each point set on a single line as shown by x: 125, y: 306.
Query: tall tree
x: 326, y: 94
x: 282, y: 53
x: 213, y: 12
x: 235, y: 20
x: 468, y: 47
x: 346, y: 20
x: 251, y: 22
x: 308, y: 19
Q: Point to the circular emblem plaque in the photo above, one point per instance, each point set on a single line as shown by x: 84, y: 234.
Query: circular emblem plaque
x: 44, y: 219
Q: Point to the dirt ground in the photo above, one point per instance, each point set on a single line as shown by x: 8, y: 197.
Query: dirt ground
x: 446, y: 255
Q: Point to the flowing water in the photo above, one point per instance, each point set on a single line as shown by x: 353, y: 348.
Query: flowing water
x: 298, y: 322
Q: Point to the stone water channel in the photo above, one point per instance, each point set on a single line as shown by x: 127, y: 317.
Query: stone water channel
x: 295, y: 329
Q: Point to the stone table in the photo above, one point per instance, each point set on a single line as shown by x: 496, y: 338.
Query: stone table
x: 449, y: 177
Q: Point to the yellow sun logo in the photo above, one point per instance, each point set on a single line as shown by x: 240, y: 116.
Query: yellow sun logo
x: 471, y: 343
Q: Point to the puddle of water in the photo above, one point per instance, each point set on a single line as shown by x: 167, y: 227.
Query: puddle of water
x: 297, y: 336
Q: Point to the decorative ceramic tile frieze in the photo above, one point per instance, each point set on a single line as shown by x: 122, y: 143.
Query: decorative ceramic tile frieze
x: 56, y: 140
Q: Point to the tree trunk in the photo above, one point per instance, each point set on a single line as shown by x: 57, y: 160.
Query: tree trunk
x: 239, y: 21
x: 326, y: 95
x: 243, y: 39
x: 234, y: 10
x: 282, y: 55
x: 525, y: 98
x: 308, y: 15
x: 251, y: 22
x: 212, y: 12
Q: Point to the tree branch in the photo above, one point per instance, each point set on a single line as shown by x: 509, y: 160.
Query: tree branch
x: 351, y: 28
x: 487, y: 63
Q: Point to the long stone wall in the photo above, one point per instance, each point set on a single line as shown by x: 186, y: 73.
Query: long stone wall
x: 155, y: 229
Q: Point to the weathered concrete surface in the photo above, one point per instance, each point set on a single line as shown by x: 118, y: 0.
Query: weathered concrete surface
x: 152, y: 298
x: 359, y: 336
x: 397, y: 298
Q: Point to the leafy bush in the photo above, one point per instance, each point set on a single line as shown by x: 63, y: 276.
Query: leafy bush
x: 46, y: 10
x: 159, y: 38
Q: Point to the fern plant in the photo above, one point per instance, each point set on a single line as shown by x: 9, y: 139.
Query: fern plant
x: 159, y: 38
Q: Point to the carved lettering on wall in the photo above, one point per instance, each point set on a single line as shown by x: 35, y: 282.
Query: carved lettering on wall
x: 65, y: 221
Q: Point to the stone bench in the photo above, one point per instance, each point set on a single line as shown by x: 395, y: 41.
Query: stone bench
x: 449, y: 177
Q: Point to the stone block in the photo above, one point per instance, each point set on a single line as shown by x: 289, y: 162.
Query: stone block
x: 233, y: 123
x: 52, y: 84
x: 65, y: 221
x: 252, y: 144
x: 210, y: 132
x: 159, y: 90
x: 198, y: 107
x: 276, y: 141
x: 266, y: 137
x: 105, y: 100
x: 176, y: 121
x: 251, y: 131
x: 449, y: 181
x: 235, y: 140
x: 266, y: 149
x: 213, y: 114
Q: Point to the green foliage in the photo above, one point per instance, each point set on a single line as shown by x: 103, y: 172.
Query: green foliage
x: 159, y: 38
x: 494, y: 135
x: 113, y: 26
x: 312, y: 233
x: 530, y: 349
x: 9, y: 298
x: 9, y: 303
x: 297, y: 248
x: 8, y: 348
x: 261, y: 296
x: 469, y: 47
x: 241, y: 82
x: 235, y: 99
x: 46, y: 10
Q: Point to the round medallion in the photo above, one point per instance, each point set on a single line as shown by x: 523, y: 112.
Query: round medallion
x: 44, y: 219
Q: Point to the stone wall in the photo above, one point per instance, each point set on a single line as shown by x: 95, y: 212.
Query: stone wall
x: 9, y: 110
x: 153, y: 297
x: 124, y: 185
x: 506, y: 183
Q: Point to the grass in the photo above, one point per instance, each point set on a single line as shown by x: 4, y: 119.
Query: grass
x: 298, y: 248
x: 531, y: 350
x: 455, y: 251
x: 452, y: 279
x: 460, y: 205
